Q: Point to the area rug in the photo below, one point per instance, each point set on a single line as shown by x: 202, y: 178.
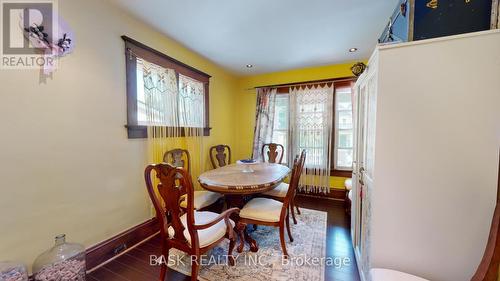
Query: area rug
x: 267, y: 264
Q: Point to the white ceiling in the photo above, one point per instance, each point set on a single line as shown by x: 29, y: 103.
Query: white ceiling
x: 272, y: 35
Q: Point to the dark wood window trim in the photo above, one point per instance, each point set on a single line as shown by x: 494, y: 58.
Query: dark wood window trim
x: 333, y: 171
x: 134, y: 49
x: 338, y: 82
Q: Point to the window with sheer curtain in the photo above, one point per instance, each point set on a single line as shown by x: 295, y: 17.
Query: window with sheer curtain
x: 191, y: 99
x: 344, y: 129
x: 281, y: 121
x: 185, y: 97
x: 311, y: 119
x: 162, y: 91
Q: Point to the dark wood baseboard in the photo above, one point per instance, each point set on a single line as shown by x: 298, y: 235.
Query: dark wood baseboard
x: 115, y: 245
x: 108, y: 249
x: 334, y: 194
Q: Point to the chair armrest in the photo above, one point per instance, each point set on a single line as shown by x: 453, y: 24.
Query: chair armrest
x: 223, y: 216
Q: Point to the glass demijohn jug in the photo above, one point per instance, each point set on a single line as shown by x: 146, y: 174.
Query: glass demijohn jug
x: 63, y: 262
x: 10, y: 271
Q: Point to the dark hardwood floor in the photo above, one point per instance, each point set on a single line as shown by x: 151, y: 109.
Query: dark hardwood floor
x: 134, y: 265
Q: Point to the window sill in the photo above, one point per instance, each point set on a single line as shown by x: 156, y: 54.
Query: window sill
x: 341, y: 173
x: 141, y: 132
x: 333, y: 173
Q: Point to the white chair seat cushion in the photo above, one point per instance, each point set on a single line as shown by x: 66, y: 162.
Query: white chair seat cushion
x: 279, y: 191
x: 202, y: 199
x: 205, y: 236
x: 348, y: 184
x: 262, y: 209
x: 382, y: 274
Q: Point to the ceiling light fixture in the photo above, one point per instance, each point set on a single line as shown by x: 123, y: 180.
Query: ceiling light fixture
x: 249, y: 65
x: 352, y: 50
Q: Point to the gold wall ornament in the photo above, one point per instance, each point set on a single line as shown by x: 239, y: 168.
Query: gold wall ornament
x: 433, y: 4
x: 358, y: 68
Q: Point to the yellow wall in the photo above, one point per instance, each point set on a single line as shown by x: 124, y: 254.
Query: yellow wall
x: 66, y: 164
x: 246, y: 102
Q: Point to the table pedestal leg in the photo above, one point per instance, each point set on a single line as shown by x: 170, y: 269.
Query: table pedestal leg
x: 239, y: 201
x: 251, y: 242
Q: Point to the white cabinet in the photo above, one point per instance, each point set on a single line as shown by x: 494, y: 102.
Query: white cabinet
x: 365, y: 117
x: 427, y: 139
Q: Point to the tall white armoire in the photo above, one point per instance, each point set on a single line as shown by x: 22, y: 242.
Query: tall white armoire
x: 427, y: 138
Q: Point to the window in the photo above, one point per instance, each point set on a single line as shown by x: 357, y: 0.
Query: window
x: 281, y: 120
x: 191, y: 99
x: 344, y: 130
x: 311, y: 123
x: 183, y: 90
x: 312, y: 110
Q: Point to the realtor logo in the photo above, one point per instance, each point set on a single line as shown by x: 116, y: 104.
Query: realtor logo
x: 27, y: 30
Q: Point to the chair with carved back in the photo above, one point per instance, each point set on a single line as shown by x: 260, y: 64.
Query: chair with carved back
x: 182, y: 159
x: 272, y: 153
x: 279, y: 193
x: 178, y: 157
x: 275, y: 154
x: 270, y: 212
x: 186, y: 229
x: 218, y: 155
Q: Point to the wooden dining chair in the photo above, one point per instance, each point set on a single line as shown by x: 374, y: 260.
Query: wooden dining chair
x: 270, y: 212
x: 178, y: 157
x: 218, y: 155
x: 272, y: 152
x: 181, y: 158
x: 279, y: 193
x: 489, y: 268
x: 193, y: 232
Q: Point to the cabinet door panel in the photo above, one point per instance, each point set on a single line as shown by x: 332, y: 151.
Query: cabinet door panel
x: 363, y: 179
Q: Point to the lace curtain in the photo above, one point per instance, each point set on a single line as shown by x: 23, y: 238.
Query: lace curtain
x: 158, y: 101
x: 311, y: 110
x: 191, y: 99
x: 172, y: 113
x: 264, y: 120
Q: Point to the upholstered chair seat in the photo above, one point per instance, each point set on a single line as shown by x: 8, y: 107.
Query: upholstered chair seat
x: 262, y: 209
x: 279, y: 191
x: 271, y: 212
x: 205, y: 236
x: 274, y: 153
x: 202, y: 199
x: 382, y: 274
x: 186, y: 229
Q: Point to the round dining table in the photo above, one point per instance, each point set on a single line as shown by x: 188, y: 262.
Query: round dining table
x: 239, y: 182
